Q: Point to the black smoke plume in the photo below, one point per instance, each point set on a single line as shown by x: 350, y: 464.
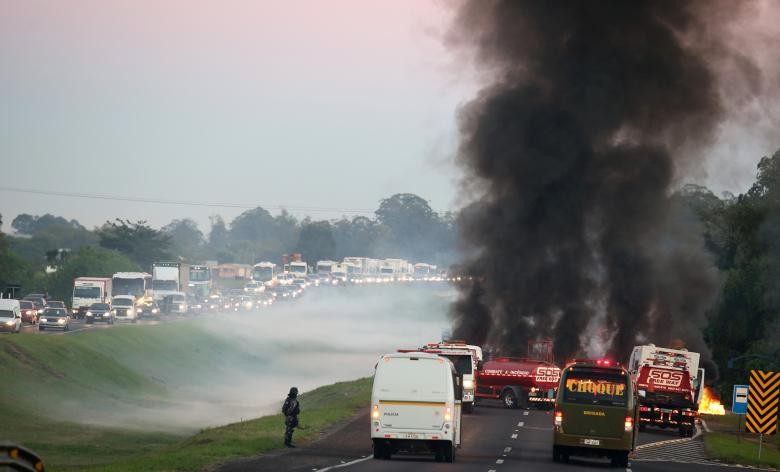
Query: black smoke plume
x: 592, y: 109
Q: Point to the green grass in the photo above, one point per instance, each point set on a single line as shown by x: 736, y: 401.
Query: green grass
x: 51, y: 385
x: 320, y: 409
x: 730, y: 449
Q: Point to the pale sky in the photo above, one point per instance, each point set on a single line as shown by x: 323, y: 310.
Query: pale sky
x: 300, y: 104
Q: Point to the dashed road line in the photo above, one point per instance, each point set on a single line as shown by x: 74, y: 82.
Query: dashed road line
x: 520, y: 424
x: 499, y: 461
x: 345, y: 464
x: 525, y: 413
x: 514, y: 436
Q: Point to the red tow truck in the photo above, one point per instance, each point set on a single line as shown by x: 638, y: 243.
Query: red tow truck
x: 520, y: 382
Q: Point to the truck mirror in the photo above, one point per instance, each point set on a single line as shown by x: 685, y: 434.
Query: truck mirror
x: 459, y: 387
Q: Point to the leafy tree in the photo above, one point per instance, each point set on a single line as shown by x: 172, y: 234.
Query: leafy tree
x: 356, y: 237
x: 87, y: 262
x: 187, y: 240
x: 138, y: 241
x: 218, y: 235
x: 29, y: 224
x: 316, y: 241
x: 412, y: 226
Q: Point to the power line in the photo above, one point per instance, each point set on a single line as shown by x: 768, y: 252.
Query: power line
x: 184, y: 202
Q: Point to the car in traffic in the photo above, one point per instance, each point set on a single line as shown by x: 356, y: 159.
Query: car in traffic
x: 286, y: 292
x: 38, y: 301
x: 595, y: 412
x: 175, y: 303
x: 29, y: 312
x: 56, y: 304
x: 10, y: 316
x: 54, y: 318
x: 148, y: 310
x: 123, y: 308
x: 99, y: 312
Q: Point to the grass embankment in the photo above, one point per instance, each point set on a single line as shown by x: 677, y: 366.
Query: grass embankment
x: 47, y: 382
x: 727, y: 444
x: 321, y: 408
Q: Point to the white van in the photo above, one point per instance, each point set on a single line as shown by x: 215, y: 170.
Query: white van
x: 10, y: 315
x: 415, y: 406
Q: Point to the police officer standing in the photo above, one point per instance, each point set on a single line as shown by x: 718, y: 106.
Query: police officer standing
x: 291, y: 409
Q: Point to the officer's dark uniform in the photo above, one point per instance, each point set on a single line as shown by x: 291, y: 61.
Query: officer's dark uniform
x: 291, y: 409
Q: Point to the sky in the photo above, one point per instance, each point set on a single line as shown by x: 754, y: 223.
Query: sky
x: 322, y: 108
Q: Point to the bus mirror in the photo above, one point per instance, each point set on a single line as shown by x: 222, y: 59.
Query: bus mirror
x: 459, y: 387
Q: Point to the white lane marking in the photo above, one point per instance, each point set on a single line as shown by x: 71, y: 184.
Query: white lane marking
x: 491, y: 470
x: 507, y: 449
x: 339, y: 466
x: 520, y: 424
x: 669, y: 441
x: 628, y: 470
x: 499, y: 461
x: 514, y: 436
x: 525, y: 413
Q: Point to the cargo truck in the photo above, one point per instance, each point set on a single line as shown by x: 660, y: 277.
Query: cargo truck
x: 169, y: 278
x: 89, y: 290
x: 669, y: 386
x: 137, y: 284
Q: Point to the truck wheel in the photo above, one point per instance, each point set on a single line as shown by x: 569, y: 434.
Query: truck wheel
x: 510, y: 399
x: 468, y: 408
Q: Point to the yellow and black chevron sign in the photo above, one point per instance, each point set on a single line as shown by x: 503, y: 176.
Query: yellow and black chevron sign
x: 763, y: 402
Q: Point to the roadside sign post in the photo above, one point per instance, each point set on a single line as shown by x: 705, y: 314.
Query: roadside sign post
x: 739, y: 404
x: 762, y: 404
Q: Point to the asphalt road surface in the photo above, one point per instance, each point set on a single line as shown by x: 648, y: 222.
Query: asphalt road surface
x: 494, y: 439
x: 77, y: 326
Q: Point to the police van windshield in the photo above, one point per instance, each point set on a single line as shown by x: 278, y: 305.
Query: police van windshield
x: 595, y: 387
x: 462, y: 363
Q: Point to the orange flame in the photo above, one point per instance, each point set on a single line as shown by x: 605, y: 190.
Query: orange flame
x: 710, y: 404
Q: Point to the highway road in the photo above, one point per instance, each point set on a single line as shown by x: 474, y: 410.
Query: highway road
x: 494, y: 439
x: 77, y: 326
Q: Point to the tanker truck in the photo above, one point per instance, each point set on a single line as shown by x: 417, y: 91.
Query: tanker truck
x: 521, y: 382
x: 669, y: 383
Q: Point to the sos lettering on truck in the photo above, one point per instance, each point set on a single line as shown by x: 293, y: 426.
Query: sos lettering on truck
x: 598, y: 388
x: 547, y: 375
x: 665, y: 378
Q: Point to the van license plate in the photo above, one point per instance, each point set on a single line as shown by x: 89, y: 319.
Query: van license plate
x: 591, y: 442
x: 410, y: 436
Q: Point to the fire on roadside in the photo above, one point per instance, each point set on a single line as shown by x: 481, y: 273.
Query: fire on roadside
x: 710, y: 404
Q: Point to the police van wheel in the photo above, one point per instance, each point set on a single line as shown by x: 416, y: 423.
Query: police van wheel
x: 381, y: 451
x: 620, y: 459
x: 449, y: 453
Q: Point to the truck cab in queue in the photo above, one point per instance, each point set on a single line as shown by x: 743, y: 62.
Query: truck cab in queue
x: 595, y: 412
x: 669, y: 386
x: 466, y: 364
x: 415, y: 406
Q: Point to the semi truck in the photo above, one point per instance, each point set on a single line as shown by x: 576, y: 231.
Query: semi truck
x: 169, y: 278
x: 89, y: 290
x: 137, y: 284
x: 265, y: 273
x: 325, y: 267
x: 520, y: 382
x: 200, y: 284
x: 669, y: 386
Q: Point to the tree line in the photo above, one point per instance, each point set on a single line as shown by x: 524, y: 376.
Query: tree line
x: 403, y: 226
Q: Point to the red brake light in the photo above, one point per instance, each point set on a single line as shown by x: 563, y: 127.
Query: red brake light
x: 605, y: 362
x: 558, y: 418
x: 629, y: 423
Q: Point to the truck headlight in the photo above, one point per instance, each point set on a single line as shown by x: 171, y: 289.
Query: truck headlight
x: 10, y: 323
x: 155, y: 311
x: 468, y: 383
x: 89, y: 313
x: 43, y: 320
x: 61, y: 321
